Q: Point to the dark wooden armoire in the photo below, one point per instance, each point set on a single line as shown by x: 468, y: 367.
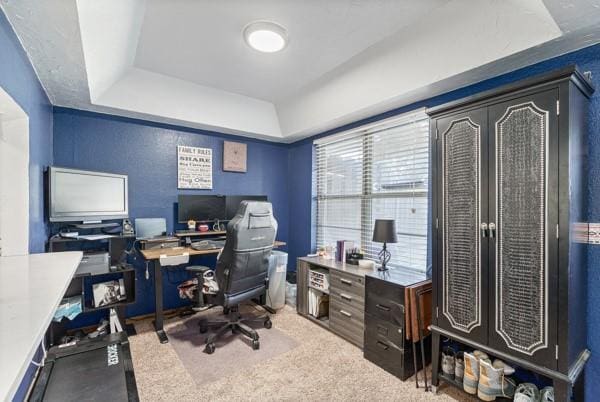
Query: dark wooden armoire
x: 509, y: 191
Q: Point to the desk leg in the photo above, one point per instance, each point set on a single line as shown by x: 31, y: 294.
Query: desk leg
x: 158, y: 298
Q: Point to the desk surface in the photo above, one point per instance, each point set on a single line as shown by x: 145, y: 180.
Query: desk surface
x: 155, y: 254
x: 31, y: 287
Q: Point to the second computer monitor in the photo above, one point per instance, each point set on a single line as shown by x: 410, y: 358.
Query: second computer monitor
x: 201, y: 208
x: 233, y: 202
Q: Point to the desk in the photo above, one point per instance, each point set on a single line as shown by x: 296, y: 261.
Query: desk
x: 31, y: 288
x: 366, y: 307
x: 154, y: 256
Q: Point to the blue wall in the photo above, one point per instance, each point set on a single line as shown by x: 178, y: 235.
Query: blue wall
x: 587, y: 59
x: 147, y: 153
x: 19, y: 80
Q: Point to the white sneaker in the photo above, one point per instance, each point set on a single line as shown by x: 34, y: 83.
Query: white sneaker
x: 527, y: 392
x: 508, y: 370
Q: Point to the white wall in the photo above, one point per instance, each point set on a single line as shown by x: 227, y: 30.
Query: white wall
x: 14, y: 177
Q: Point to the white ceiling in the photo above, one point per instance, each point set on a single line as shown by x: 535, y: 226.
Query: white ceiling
x: 200, y: 41
x: 185, y: 61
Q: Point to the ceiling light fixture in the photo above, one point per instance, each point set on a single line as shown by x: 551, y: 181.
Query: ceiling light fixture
x: 265, y: 36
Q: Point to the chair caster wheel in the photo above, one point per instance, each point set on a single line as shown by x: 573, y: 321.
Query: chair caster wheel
x: 268, y: 324
x: 210, y: 348
x: 203, y: 328
x: 255, y: 344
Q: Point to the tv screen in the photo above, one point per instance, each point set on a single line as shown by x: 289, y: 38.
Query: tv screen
x: 201, y: 208
x: 83, y: 195
x: 233, y: 202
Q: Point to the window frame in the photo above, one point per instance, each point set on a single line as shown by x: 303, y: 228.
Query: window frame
x: 367, y: 196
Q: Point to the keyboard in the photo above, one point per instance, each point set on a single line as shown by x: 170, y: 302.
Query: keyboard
x: 207, y: 245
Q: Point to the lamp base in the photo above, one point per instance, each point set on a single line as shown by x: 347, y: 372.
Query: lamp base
x: 384, y: 258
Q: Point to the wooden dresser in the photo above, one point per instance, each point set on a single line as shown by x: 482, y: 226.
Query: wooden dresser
x: 366, y: 307
x: 346, y: 297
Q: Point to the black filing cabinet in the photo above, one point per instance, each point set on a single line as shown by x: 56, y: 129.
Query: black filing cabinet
x: 385, y: 343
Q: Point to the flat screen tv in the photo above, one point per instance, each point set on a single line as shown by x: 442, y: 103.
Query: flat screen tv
x: 87, y: 196
x: 200, y: 208
x: 233, y: 202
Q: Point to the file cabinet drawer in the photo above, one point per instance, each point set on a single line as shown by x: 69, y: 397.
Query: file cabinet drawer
x: 347, y: 284
x: 385, y: 355
x: 385, y: 301
x: 376, y: 328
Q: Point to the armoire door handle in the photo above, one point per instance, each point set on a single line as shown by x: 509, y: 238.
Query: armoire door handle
x: 492, y: 229
x: 484, y: 229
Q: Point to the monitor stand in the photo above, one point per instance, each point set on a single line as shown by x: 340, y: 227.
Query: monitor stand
x: 94, y: 225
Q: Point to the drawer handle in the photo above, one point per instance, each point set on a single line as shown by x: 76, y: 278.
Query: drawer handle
x: 346, y: 282
x: 382, y: 345
x: 382, y: 307
x: 345, y: 297
x: 347, y: 314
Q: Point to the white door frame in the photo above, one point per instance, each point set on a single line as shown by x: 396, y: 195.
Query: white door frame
x: 14, y: 177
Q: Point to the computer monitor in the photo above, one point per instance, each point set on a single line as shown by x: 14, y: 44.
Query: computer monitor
x: 83, y: 195
x: 201, y: 208
x: 233, y: 202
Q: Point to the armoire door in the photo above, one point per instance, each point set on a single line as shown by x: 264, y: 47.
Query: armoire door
x: 523, y: 207
x: 462, y: 208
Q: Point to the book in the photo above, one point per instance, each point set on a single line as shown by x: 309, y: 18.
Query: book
x: 106, y: 293
x: 342, y: 247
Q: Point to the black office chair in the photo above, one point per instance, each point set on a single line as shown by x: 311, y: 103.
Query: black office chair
x: 241, y: 271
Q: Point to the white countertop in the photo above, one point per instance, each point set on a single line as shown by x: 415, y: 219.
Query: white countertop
x: 31, y: 287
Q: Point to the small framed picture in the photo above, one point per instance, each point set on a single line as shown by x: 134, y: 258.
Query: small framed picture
x: 234, y: 156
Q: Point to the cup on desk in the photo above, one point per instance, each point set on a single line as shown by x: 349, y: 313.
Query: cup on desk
x: 366, y: 264
x: 203, y: 228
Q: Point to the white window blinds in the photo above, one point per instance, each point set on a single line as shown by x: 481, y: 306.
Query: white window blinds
x: 375, y: 172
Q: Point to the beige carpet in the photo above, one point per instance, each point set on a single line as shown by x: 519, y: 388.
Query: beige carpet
x: 321, y: 367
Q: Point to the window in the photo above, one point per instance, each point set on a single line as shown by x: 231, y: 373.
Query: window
x: 375, y: 172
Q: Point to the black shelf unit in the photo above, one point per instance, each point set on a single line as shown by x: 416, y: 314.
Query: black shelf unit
x: 81, y: 283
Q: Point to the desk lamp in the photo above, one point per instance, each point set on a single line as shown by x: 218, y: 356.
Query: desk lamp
x: 384, y: 232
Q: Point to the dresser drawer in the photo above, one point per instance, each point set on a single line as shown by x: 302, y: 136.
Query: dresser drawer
x: 385, y: 301
x: 347, y: 312
x: 347, y: 321
x: 376, y: 328
x: 341, y: 282
x: 352, y: 333
x: 347, y: 299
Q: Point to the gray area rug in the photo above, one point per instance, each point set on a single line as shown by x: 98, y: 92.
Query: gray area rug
x: 234, y: 352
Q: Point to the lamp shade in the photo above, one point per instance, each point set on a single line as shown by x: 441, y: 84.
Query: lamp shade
x: 385, y: 231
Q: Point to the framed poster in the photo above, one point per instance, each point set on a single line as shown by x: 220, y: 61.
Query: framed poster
x: 194, y: 168
x: 234, y: 156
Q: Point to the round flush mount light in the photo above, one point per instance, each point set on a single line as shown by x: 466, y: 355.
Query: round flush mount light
x: 265, y: 36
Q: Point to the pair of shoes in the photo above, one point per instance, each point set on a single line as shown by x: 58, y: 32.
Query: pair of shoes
x: 448, y: 361
x: 453, y: 365
x: 471, y: 371
x: 528, y: 392
x: 459, y: 370
x: 485, y: 379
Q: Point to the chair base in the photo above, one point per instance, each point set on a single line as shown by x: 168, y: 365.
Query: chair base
x: 236, y: 324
